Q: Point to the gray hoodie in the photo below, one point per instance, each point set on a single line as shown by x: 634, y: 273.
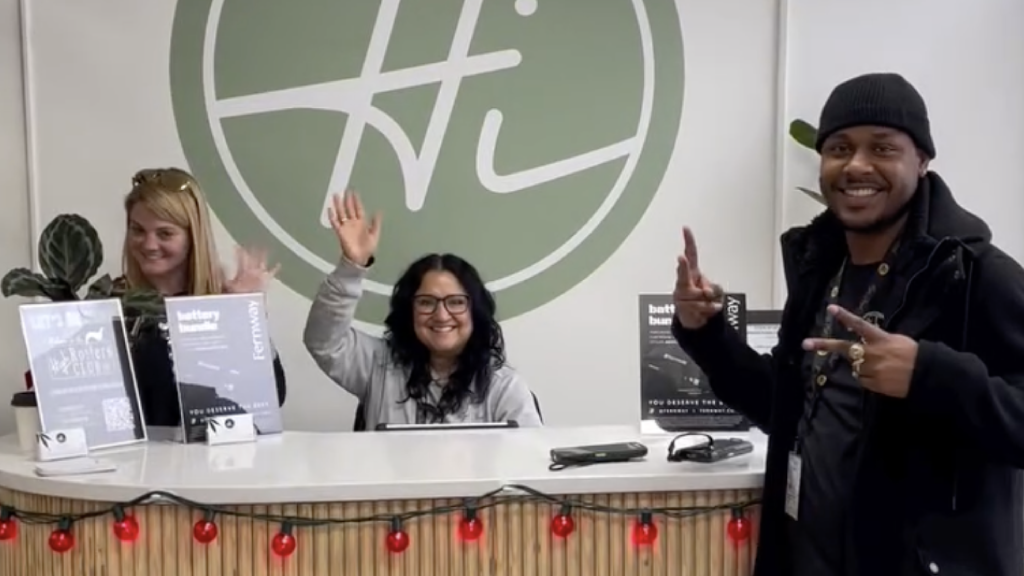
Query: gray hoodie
x: 361, y: 363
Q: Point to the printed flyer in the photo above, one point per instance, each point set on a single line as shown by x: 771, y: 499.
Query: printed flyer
x: 223, y: 361
x: 82, y: 370
x: 674, y: 393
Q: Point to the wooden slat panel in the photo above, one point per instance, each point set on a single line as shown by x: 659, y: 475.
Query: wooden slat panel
x: 517, y: 541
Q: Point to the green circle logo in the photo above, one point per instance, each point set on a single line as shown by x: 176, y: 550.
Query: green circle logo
x: 527, y: 136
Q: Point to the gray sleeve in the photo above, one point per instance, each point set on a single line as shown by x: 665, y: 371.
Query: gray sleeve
x: 345, y: 354
x: 511, y: 399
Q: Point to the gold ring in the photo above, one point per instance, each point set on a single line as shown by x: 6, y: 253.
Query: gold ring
x: 856, y: 352
x: 342, y: 220
x: 856, y: 364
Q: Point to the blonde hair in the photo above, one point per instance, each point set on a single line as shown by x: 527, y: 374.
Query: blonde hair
x: 174, y: 195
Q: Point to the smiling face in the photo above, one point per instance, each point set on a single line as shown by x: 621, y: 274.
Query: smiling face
x: 868, y: 176
x: 160, y: 248
x: 441, y: 315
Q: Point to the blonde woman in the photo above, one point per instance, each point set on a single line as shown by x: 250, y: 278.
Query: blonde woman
x: 168, y: 247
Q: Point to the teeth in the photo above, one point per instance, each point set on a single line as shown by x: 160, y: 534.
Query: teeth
x: 860, y: 191
x: 443, y: 328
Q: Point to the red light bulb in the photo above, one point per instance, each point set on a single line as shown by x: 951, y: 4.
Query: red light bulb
x: 470, y: 527
x: 645, y: 531
x: 562, y: 525
x: 283, y: 543
x: 738, y: 528
x: 8, y: 529
x: 126, y: 527
x: 204, y: 530
x: 61, y: 540
x: 8, y: 525
x: 397, y: 539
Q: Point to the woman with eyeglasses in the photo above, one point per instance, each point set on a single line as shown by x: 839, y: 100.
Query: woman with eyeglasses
x: 442, y: 358
x: 169, y: 247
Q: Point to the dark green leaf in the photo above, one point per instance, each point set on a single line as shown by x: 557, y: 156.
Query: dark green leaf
x: 803, y: 133
x: 814, y: 195
x: 60, y: 291
x: 103, y: 287
x: 70, y: 250
x: 141, y: 302
x: 24, y: 282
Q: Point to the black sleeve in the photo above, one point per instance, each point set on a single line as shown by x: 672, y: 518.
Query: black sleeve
x: 282, y: 387
x: 739, y: 376
x: 982, y: 390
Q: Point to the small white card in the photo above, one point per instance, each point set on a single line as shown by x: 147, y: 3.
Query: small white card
x: 230, y: 429
x: 793, y: 486
x: 61, y: 444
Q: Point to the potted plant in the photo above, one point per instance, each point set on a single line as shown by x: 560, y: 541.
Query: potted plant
x: 805, y: 135
x: 70, y: 254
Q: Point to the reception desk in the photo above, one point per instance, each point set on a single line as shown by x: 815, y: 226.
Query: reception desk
x: 428, y: 480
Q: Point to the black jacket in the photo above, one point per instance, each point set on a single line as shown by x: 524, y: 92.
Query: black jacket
x: 939, y: 481
x: 158, y: 387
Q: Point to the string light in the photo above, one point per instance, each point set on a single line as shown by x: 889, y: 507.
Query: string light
x: 8, y: 524
x: 645, y: 531
x: 562, y: 524
x: 470, y: 527
x: 738, y: 528
x: 205, y: 530
x: 126, y: 527
x: 397, y: 539
x: 61, y: 540
x: 284, y: 543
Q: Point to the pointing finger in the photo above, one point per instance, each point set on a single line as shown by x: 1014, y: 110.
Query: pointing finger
x: 827, y: 345
x: 856, y: 324
x: 683, y: 278
x: 690, y: 250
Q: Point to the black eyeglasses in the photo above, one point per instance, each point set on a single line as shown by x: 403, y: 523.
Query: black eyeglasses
x: 453, y: 303
x: 171, y: 178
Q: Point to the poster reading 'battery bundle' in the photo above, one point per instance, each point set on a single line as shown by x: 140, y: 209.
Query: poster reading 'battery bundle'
x: 674, y: 393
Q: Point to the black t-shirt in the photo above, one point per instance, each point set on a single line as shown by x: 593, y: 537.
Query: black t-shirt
x: 829, y: 445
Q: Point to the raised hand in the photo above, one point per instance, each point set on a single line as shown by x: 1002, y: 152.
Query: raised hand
x: 882, y: 361
x: 695, y: 297
x: 357, y: 236
x: 251, y: 272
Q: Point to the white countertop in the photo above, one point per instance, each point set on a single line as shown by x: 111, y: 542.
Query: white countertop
x: 327, y: 467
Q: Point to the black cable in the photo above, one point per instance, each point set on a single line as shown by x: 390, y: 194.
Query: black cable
x: 491, y: 499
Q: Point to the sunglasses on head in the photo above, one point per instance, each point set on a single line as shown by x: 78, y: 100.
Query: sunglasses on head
x: 169, y: 178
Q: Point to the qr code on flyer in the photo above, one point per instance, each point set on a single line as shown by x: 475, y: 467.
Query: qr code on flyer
x: 117, y: 413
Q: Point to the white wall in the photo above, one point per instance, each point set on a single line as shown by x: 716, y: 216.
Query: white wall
x: 14, y: 234
x: 579, y: 351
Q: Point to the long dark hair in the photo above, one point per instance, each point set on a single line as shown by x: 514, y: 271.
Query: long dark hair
x: 484, y: 352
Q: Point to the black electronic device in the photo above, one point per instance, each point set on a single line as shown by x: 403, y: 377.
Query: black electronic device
x: 447, y: 426
x: 596, y: 454
x: 711, y: 451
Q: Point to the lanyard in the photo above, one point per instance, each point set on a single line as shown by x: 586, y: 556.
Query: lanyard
x: 823, y: 362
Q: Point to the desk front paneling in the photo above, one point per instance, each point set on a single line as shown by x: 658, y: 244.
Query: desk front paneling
x: 517, y: 541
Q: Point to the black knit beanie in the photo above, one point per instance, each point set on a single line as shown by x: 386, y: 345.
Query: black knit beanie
x: 879, y: 99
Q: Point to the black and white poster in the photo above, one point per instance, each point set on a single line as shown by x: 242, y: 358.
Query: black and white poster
x: 82, y: 370
x: 674, y: 393
x: 223, y: 361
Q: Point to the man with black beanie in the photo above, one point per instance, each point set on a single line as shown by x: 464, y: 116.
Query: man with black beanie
x: 894, y: 401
